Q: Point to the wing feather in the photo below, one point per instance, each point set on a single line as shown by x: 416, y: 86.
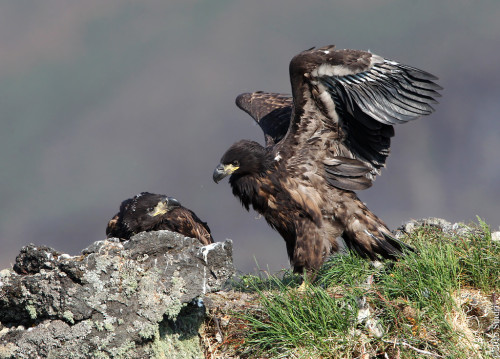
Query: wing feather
x: 370, y: 94
x: 341, y: 172
x: 271, y: 111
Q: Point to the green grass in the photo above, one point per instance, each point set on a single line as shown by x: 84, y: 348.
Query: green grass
x: 290, y: 320
x: 413, y: 300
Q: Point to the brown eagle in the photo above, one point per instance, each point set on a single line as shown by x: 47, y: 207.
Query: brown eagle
x: 154, y: 212
x: 330, y: 138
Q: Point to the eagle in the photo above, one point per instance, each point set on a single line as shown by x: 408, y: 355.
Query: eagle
x: 331, y: 137
x: 153, y: 212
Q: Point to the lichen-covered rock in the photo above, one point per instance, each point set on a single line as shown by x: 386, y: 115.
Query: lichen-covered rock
x: 135, y: 299
x: 453, y: 229
x: 32, y: 259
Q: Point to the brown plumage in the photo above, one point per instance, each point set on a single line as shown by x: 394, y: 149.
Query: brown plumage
x: 331, y: 137
x: 153, y: 212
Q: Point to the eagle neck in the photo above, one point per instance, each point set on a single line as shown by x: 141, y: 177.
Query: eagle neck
x: 248, y: 186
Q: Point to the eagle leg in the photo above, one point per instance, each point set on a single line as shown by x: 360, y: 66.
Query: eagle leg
x: 309, y: 252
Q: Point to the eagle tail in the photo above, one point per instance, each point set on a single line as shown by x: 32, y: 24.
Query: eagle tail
x: 368, y: 235
x: 399, y: 245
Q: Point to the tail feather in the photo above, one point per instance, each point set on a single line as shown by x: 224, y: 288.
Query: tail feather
x: 401, y: 246
x: 391, y: 247
x: 368, y: 235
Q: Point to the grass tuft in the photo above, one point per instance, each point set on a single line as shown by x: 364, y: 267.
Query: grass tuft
x: 424, y: 305
x: 289, y: 320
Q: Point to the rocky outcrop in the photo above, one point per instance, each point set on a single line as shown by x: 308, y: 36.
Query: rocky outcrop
x: 156, y: 296
x: 452, y: 229
x: 136, y: 299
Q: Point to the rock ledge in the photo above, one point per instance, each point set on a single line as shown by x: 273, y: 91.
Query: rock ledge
x: 133, y: 299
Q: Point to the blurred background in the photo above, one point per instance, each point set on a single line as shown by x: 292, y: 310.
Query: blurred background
x: 102, y: 100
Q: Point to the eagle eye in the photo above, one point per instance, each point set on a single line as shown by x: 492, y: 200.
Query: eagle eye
x: 235, y: 163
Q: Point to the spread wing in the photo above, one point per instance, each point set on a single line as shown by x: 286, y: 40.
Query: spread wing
x: 272, y: 111
x: 348, y: 102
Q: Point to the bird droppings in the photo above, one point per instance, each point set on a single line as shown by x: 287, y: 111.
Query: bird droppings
x: 206, y: 249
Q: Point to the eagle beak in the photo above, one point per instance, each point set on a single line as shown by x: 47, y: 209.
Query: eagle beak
x: 172, y: 202
x: 161, y: 208
x: 165, y: 205
x: 222, y: 171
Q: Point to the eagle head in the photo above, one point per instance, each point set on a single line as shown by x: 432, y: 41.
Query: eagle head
x: 243, y: 157
x: 164, y: 205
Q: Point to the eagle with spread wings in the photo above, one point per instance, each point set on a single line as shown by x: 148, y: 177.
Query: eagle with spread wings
x: 331, y: 137
x: 153, y: 212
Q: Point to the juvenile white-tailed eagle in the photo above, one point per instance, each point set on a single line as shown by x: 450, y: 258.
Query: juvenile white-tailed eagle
x: 154, y: 212
x: 330, y: 138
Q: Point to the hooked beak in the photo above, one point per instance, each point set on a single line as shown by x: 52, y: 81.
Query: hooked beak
x: 222, y: 171
x: 172, y: 202
x: 165, y: 205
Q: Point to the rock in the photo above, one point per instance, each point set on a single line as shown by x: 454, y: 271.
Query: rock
x: 412, y: 225
x: 32, y: 259
x: 136, y: 299
x: 455, y: 229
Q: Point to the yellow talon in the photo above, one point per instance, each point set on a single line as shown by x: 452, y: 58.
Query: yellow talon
x: 302, y: 288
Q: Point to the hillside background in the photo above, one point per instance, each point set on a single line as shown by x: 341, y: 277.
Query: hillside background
x: 102, y: 100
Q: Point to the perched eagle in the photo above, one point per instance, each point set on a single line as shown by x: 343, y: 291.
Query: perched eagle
x: 154, y: 212
x: 330, y: 138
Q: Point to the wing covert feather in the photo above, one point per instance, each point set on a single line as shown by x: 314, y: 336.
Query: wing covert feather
x: 271, y: 111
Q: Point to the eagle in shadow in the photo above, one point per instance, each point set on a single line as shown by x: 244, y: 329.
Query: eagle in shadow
x: 331, y: 137
x: 153, y: 212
